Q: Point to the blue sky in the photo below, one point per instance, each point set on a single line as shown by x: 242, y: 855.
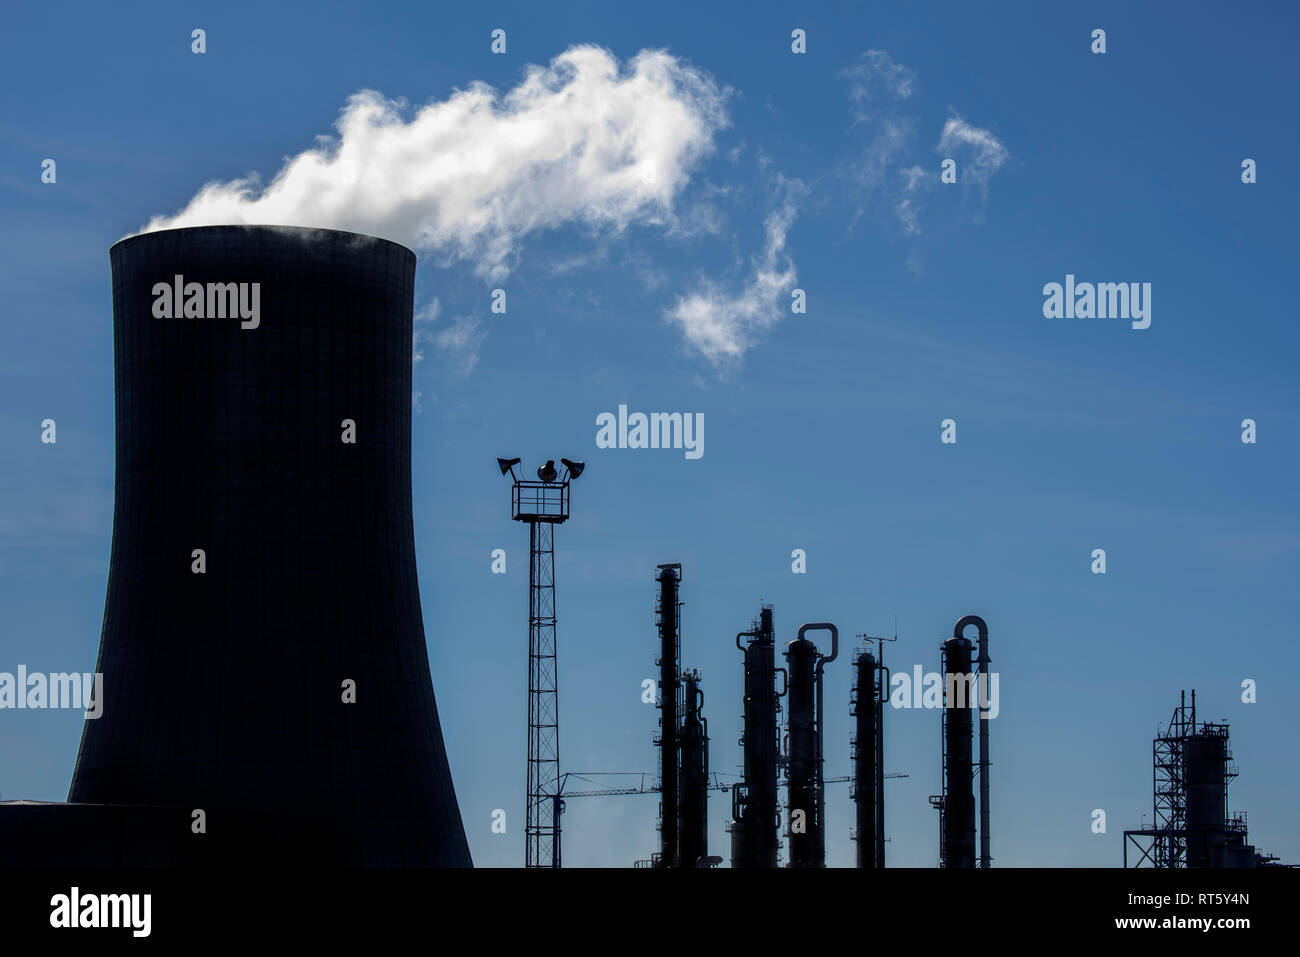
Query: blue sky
x: 822, y: 429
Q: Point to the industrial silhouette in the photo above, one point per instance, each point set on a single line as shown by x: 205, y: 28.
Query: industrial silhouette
x: 267, y: 691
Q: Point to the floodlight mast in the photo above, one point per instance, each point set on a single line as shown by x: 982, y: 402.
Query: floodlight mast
x: 543, y: 505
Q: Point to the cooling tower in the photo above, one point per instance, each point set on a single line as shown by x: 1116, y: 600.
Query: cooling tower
x: 263, y: 649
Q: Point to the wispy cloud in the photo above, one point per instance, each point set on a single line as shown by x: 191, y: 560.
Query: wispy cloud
x: 873, y: 77
x: 885, y: 168
x: 982, y: 153
x: 425, y: 314
x: 891, y: 138
x: 720, y: 323
x: 905, y: 210
x: 584, y: 141
x: 875, y: 84
x: 461, y: 341
x: 915, y: 176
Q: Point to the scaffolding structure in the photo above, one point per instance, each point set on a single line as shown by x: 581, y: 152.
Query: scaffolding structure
x: 1173, y: 840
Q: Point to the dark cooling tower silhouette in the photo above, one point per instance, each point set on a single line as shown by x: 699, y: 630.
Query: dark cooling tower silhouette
x: 225, y: 690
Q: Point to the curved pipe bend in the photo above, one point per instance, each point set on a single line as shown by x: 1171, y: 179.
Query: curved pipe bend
x: 977, y: 621
x: 835, y: 639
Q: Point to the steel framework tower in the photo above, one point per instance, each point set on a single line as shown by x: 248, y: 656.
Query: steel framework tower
x: 541, y: 839
x: 543, y: 505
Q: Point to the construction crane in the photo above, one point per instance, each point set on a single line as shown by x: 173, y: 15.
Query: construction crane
x: 643, y: 786
x: 558, y: 798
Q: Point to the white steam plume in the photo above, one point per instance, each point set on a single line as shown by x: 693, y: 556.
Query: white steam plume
x: 580, y: 141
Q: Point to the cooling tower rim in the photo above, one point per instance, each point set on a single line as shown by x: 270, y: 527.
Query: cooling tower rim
x: 305, y: 233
